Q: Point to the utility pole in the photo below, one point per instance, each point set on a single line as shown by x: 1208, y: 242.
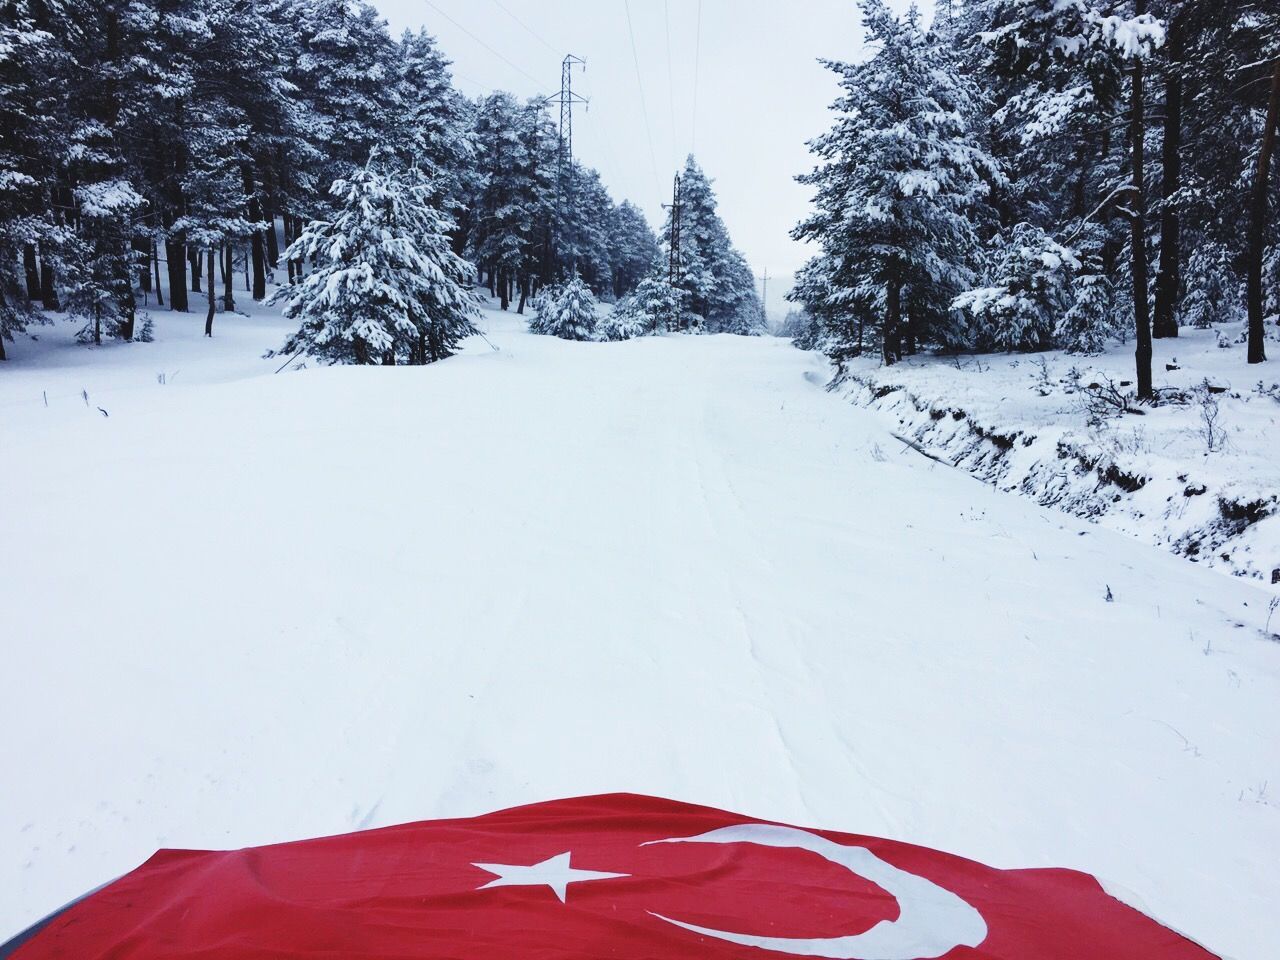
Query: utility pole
x: 566, y: 99
x: 764, y: 298
x: 673, y: 240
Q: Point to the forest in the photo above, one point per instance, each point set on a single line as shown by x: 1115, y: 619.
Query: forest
x: 1023, y: 175
x: 163, y: 145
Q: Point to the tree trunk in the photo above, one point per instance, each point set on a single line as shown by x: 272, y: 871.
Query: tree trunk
x: 273, y: 244
x: 1168, y: 279
x: 32, y: 271
x: 175, y: 255
x: 1258, y: 221
x: 155, y: 259
x: 297, y: 264
x: 48, y: 292
x: 194, y: 255
x: 208, y: 320
x: 126, y: 302
x: 892, y: 323
x: 257, y: 253
x: 505, y: 289
x: 228, y: 281
x: 1138, y: 234
x: 142, y: 256
x: 524, y: 293
x: 286, y: 225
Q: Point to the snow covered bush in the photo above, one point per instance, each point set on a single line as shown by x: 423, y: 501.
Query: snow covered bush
x: 1031, y: 291
x: 568, y: 312
x: 626, y: 322
x: 387, y: 286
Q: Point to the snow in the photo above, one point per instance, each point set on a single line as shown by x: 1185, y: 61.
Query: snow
x: 1037, y: 404
x: 245, y: 607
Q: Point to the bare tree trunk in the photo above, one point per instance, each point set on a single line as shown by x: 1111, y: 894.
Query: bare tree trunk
x: 1168, y: 278
x: 175, y: 254
x: 257, y: 253
x: 32, y: 271
x: 228, y: 280
x: 1258, y: 220
x: 194, y: 255
x: 273, y: 244
x: 892, y: 323
x: 297, y: 264
x: 126, y: 301
x: 1138, y: 233
x: 505, y: 290
x: 155, y: 259
x: 142, y: 256
x: 213, y: 308
x: 286, y: 225
x: 48, y: 292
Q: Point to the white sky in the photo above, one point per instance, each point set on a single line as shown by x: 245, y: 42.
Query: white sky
x: 760, y: 92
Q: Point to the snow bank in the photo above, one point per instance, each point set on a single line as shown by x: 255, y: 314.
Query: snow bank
x: 1199, y: 474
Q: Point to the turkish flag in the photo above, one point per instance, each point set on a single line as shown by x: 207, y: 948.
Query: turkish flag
x: 623, y: 877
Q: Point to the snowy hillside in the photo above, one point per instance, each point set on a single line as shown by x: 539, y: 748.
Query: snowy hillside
x: 253, y: 607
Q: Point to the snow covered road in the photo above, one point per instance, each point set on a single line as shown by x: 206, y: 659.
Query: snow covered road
x: 244, y: 608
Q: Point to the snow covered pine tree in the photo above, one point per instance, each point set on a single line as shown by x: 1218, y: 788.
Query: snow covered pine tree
x: 387, y: 287
x: 567, y: 312
x: 900, y: 174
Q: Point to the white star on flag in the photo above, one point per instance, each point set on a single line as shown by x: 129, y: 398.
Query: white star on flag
x: 555, y: 873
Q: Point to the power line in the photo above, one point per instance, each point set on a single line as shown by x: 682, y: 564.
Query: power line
x: 671, y: 83
x: 482, y: 43
x: 644, y: 109
x: 697, y: 66
x: 533, y: 33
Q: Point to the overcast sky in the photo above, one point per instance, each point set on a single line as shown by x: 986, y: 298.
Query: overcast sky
x: 760, y: 92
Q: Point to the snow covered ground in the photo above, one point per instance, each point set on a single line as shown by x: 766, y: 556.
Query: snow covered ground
x: 242, y: 607
x: 1209, y: 491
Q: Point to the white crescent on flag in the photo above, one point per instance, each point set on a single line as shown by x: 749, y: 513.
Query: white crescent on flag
x: 932, y: 921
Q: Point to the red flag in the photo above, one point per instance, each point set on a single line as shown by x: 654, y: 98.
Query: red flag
x: 623, y: 877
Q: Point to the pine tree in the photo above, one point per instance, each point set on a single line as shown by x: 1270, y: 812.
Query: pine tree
x: 433, y: 124
x: 655, y: 305
x: 632, y: 247
x: 567, y: 312
x: 27, y: 146
x: 900, y: 175
x: 387, y: 287
x: 720, y: 287
x: 1031, y: 291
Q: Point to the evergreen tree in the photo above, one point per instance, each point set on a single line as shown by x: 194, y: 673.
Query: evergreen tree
x: 655, y: 304
x: 387, y: 287
x: 632, y: 247
x: 900, y: 175
x: 720, y: 287
x: 567, y: 312
x: 1020, y: 311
